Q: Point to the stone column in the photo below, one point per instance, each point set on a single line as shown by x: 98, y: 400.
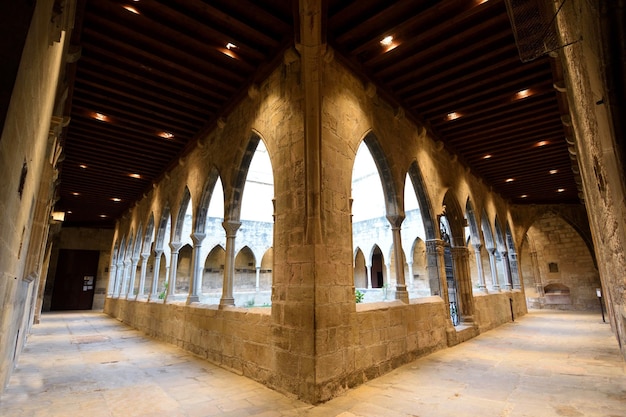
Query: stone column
x: 142, y: 277
x: 258, y: 278
x: 231, y: 228
x: 154, y: 292
x: 195, y: 281
x: 536, y: 274
x: 515, y: 270
x: 411, y: 277
x: 112, y: 279
x: 436, y: 268
x: 494, y: 269
x: 125, y: 278
x: 507, y: 271
x: 118, y: 277
x: 460, y: 260
x: 368, y: 269
x: 130, y: 291
x: 171, y: 286
x: 401, y: 292
x: 479, y: 268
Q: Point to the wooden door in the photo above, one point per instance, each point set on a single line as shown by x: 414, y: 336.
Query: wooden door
x: 75, y: 279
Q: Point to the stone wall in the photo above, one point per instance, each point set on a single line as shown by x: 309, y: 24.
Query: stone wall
x: 27, y: 144
x: 495, y: 309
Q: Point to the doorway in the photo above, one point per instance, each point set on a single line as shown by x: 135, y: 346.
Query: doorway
x: 75, y: 280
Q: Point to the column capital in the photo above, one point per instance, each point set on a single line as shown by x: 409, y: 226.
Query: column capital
x: 477, y: 246
x: 145, y: 255
x: 231, y: 227
x: 433, y: 245
x: 197, y: 238
x: 175, y: 246
x: 396, y: 220
x: 158, y: 252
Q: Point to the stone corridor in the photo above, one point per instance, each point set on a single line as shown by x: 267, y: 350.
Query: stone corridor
x: 547, y: 363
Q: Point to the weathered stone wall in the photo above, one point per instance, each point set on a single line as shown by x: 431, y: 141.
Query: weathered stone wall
x: 235, y: 338
x: 24, y: 153
x: 494, y: 309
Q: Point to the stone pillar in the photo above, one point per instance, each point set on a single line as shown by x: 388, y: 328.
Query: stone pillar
x: 112, y: 279
x: 507, y: 271
x: 258, y: 278
x: 411, y: 277
x: 536, y: 274
x: 171, y: 286
x: 119, y: 274
x: 368, y: 269
x: 460, y: 260
x: 401, y: 292
x: 515, y: 270
x: 436, y: 268
x: 231, y: 228
x: 130, y: 291
x: 195, y: 281
x: 154, y: 292
x: 479, y: 268
x: 125, y: 278
x: 494, y: 269
x: 142, y: 277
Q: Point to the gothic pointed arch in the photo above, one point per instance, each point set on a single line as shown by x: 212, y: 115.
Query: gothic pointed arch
x: 164, y: 228
x: 181, y: 216
x: 205, y: 200
x: 485, y: 226
x: 384, y: 171
x: 472, y: 223
x: 455, y: 219
x: 148, y: 235
x: 430, y: 226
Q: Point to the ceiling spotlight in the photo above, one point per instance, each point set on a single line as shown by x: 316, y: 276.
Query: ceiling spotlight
x: 509, y: 180
x: 83, y: 166
x: 542, y: 143
x: 553, y: 171
x: 523, y: 195
x: 488, y: 156
x: 166, y: 135
x: 387, y: 41
x: 75, y: 193
x: 100, y: 116
x: 560, y: 190
x: 134, y: 176
x: 69, y: 212
x: 231, y: 46
x: 103, y: 215
x: 454, y: 115
x: 117, y: 200
x: 522, y: 94
x: 131, y: 9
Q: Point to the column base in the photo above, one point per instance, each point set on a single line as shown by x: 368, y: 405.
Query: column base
x: 192, y: 299
x: 227, y: 301
x: 402, y: 294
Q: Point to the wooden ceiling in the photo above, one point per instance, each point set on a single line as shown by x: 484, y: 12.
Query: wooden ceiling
x: 154, y: 76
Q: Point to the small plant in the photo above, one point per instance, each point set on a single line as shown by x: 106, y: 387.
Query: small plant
x: 162, y: 293
x: 359, y: 295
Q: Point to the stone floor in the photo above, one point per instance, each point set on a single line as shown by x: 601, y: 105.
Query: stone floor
x: 545, y: 364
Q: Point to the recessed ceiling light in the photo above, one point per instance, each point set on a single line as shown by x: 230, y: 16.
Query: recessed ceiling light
x: 454, y: 115
x: 488, y: 156
x: 231, y: 46
x: 560, y: 190
x: 103, y: 215
x: 69, y: 212
x: 131, y: 9
x: 387, y: 41
x: 100, y: 116
x: 522, y: 94
x: 75, y: 193
x: 134, y: 175
x: 554, y: 171
x: 542, y: 143
x: 509, y: 180
x: 523, y: 195
x: 117, y: 200
x: 83, y: 166
x: 166, y: 135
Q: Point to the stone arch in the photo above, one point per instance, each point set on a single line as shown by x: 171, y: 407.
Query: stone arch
x: 419, y: 269
x: 455, y: 219
x: 384, y: 171
x: 472, y: 223
x: 245, y: 268
x: 378, y: 275
x: 164, y: 225
x: 183, y: 269
x: 265, y: 273
x: 180, y: 217
x: 213, y: 269
x: 512, y: 254
x: 205, y: 201
x: 149, y: 235
x: 359, y: 269
x: 502, y: 261
x: 430, y: 226
x: 474, y: 246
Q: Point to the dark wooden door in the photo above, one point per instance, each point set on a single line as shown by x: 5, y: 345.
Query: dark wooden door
x: 75, y: 279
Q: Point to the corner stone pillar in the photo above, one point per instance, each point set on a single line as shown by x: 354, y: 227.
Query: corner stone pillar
x: 196, y: 271
x: 460, y: 260
x: 401, y: 292
x: 171, y: 286
x: 231, y: 228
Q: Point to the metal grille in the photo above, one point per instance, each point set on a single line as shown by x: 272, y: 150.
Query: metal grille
x: 533, y: 28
